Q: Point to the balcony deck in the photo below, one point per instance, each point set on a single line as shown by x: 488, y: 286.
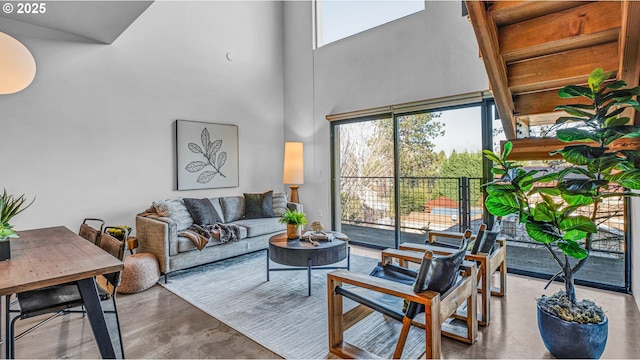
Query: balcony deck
x: 608, y: 270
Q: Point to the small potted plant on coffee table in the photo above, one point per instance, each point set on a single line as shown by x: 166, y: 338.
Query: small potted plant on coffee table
x: 295, y: 221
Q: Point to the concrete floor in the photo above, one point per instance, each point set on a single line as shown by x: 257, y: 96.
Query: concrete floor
x: 159, y: 324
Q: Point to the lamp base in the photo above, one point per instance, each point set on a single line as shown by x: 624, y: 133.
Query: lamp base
x: 294, y: 198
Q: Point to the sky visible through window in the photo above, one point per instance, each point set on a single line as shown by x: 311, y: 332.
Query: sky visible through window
x: 341, y: 19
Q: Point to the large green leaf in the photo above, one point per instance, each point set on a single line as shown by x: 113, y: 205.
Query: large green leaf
x: 491, y: 156
x: 580, y: 222
x: 542, y: 232
x: 605, y: 164
x: 596, y: 78
x: 573, y: 249
x: 573, y: 134
x: 502, y: 205
x: 616, y: 121
x: 580, y: 186
x: 571, y: 91
x: 543, y: 212
x: 574, y: 235
x: 629, y: 179
x: 500, y: 189
x: 572, y: 110
x: 506, y: 150
x: 616, y: 85
x: 551, y: 191
x: 577, y: 200
x: 632, y: 156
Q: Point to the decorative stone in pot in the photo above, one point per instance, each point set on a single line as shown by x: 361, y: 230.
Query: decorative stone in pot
x: 572, y: 340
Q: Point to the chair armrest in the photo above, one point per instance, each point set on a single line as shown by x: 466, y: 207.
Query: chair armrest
x: 382, y: 286
x: 294, y: 206
x: 157, y: 235
x: 432, y: 234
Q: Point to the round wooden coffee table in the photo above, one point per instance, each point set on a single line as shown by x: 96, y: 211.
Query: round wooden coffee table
x: 303, y: 255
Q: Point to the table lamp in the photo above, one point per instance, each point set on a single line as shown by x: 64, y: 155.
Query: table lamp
x: 293, y: 168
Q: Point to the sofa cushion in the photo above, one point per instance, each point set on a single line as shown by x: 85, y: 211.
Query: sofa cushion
x: 216, y: 205
x: 176, y: 211
x: 279, y: 201
x: 202, y: 211
x: 258, y: 205
x: 232, y: 208
x: 257, y: 227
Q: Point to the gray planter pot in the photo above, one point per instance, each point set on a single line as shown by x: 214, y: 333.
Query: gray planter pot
x: 571, y: 340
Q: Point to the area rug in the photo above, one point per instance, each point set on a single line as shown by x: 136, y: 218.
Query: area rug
x: 278, y: 314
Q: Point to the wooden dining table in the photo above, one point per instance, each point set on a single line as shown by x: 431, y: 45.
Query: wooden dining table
x: 56, y: 255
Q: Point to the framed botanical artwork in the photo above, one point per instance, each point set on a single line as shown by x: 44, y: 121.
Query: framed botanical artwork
x: 207, y: 155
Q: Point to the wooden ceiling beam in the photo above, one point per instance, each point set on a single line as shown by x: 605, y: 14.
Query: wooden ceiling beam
x: 555, y: 71
x: 509, y: 12
x: 543, y: 102
x: 487, y: 36
x: 630, y: 50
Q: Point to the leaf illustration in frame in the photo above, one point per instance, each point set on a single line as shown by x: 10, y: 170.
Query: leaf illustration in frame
x: 205, y: 177
x: 195, y: 148
x: 204, y: 137
x: 195, y: 166
x: 216, y: 146
x: 222, y: 158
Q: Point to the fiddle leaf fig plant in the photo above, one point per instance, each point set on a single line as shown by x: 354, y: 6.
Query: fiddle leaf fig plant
x: 560, y: 208
x: 10, y: 206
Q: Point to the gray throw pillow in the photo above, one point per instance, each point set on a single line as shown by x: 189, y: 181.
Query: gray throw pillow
x: 175, y: 210
x: 202, y: 211
x: 258, y: 205
x: 279, y: 203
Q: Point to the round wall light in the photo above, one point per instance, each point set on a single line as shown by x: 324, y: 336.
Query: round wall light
x: 17, y: 65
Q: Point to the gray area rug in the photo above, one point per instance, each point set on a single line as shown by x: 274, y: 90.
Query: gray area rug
x: 278, y: 314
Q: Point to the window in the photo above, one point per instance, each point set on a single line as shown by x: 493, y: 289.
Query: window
x: 337, y: 20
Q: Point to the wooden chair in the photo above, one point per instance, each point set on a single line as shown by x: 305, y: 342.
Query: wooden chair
x: 60, y: 299
x: 91, y: 233
x: 442, y: 284
x: 489, y: 258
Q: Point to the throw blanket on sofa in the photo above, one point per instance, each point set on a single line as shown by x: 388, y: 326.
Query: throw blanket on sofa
x: 201, y: 234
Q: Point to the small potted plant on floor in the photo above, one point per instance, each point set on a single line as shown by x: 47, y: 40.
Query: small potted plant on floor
x: 559, y: 209
x: 10, y: 206
x: 295, y: 222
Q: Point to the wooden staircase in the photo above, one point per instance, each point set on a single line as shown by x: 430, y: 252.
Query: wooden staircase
x: 532, y: 48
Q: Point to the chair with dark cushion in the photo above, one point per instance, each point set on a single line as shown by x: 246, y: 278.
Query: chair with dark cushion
x: 438, y: 288
x: 488, y: 251
x: 61, y: 299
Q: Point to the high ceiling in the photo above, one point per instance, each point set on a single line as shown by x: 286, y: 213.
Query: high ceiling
x: 533, y: 48
x: 98, y: 21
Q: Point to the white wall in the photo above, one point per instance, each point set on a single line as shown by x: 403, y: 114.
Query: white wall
x: 426, y: 55
x: 93, y: 136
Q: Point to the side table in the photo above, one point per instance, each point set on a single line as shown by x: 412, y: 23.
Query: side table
x: 303, y: 255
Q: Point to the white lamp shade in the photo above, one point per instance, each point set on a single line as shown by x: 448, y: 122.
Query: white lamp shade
x: 293, y: 163
x: 17, y: 66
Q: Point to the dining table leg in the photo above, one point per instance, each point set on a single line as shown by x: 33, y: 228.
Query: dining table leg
x: 91, y: 301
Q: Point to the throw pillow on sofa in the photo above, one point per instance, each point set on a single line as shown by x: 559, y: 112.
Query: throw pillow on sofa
x: 279, y: 203
x: 202, y: 211
x: 258, y: 205
x: 175, y: 210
